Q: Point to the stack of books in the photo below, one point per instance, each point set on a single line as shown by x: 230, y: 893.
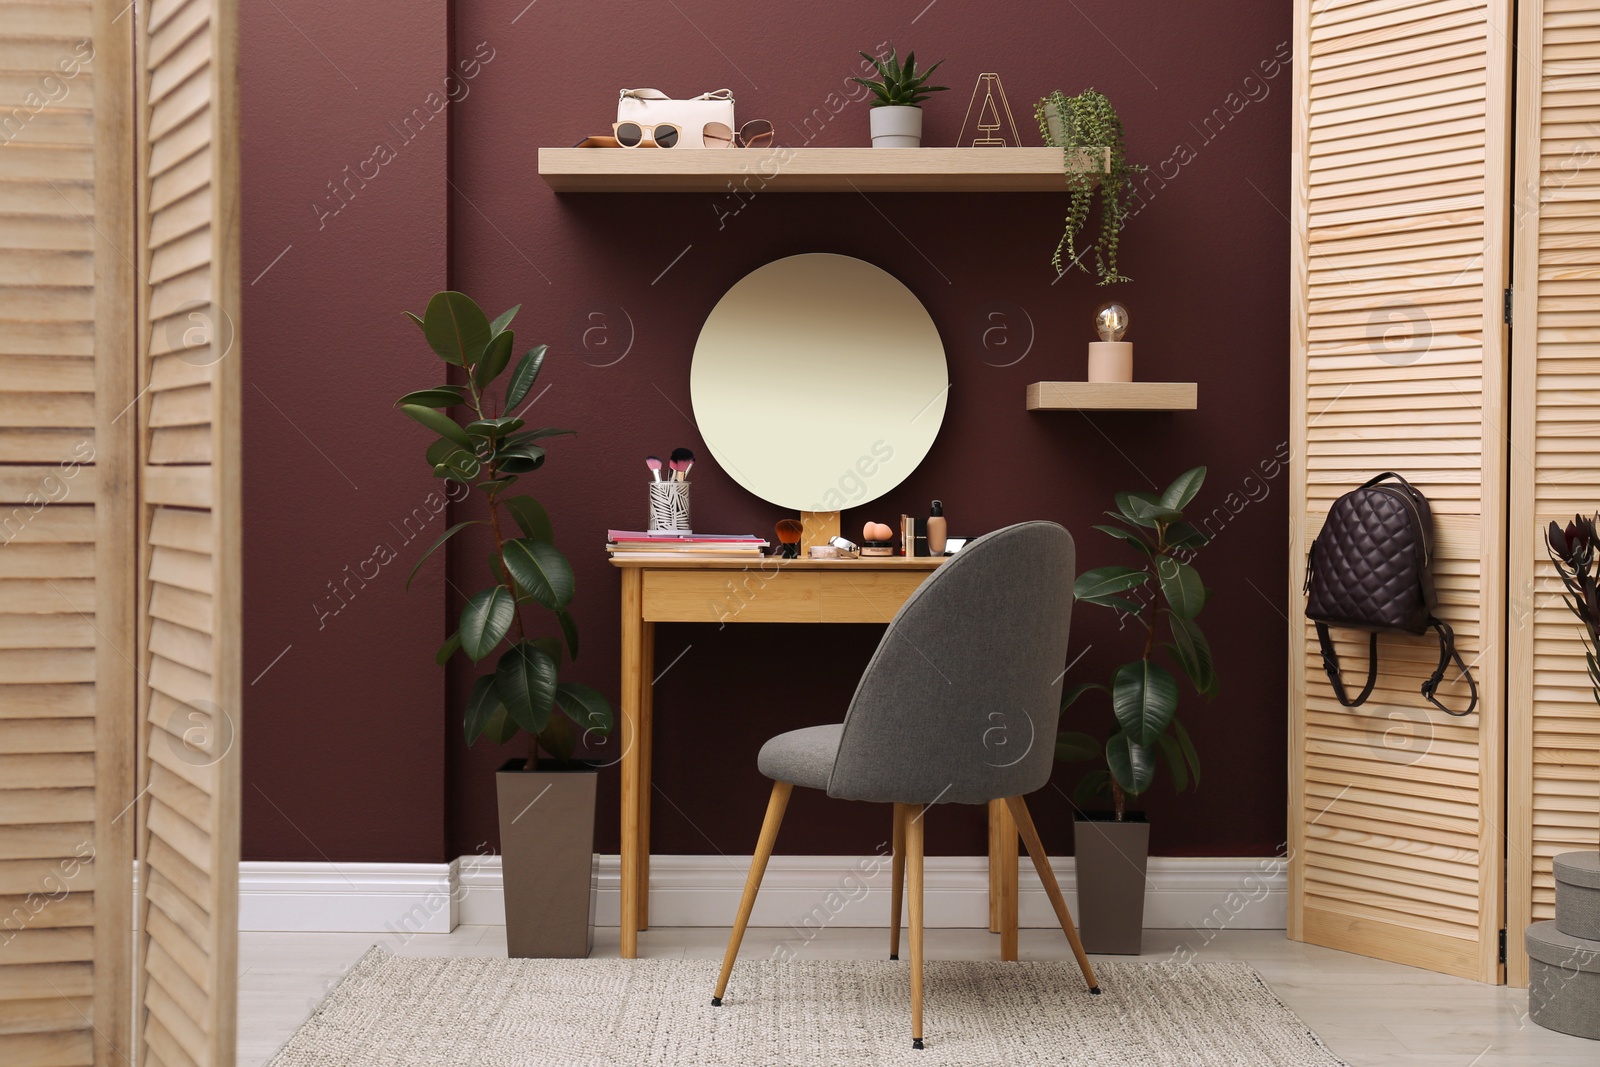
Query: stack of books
x: 670, y: 544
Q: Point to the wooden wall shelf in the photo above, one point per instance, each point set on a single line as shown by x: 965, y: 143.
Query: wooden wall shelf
x: 812, y: 170
x: 1113, y: 396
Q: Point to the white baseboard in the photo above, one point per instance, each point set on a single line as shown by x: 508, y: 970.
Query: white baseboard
x: 798, y: 891
x: 350, y: 897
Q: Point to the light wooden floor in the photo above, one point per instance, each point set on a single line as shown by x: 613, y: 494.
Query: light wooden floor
x: 1370, y: 1013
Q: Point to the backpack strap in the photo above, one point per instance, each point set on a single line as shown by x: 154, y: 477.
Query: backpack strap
x: 1330, y: 663
x: 1447, y: 652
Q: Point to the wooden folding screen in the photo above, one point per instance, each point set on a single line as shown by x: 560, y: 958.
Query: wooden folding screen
x: 67, y: 640
x: 1398, y: 363
x: 189, y: 604
x: 1555, y: 447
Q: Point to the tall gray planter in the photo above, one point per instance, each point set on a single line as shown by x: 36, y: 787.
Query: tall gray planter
x: 547, y: 859
x: 1110, y: 858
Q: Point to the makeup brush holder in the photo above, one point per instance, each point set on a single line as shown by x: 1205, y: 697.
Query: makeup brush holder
x: 669, y: 506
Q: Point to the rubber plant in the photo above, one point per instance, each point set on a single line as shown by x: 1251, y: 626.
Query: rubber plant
x: 897, y: 85
x: 1144, y: 694
x: 1089, y: 121
x: 489, y: 450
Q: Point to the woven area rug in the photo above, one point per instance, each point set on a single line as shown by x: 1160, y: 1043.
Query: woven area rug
x: 390, y: 1011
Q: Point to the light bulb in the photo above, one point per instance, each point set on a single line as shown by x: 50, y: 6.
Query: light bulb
x: 1111, y: 321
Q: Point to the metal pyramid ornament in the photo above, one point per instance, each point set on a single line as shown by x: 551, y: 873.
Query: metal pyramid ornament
x: 993, y: 116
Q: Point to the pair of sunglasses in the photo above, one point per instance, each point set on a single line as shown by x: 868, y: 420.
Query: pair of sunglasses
x: 633, y: 134
x: 757, y: 133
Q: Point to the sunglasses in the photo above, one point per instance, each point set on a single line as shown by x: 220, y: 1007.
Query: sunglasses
x: 757, y: 133
x: 632, y: 134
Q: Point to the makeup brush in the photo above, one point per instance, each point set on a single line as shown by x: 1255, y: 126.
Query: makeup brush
x: 654, y: 463
x: 682, y: 460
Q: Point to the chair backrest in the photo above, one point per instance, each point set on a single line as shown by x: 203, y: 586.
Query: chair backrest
x: 961, y: 700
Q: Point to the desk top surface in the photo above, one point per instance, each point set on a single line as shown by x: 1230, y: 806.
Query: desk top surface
x: 866, y: 563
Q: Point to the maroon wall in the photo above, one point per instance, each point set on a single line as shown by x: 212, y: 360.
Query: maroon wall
x: 353, y: 727
x: 343, y: 735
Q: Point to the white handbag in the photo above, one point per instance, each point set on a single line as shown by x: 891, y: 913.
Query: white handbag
x: 648, y: 107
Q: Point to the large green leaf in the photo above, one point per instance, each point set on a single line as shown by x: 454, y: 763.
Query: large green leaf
x: 1144, y: 697
x: 439, y: 423
x: 1132, y: 764
x: 485, y: 621
x: 531, y: 517
x: 525, y: 679
x: 1181, y: 585
x: 481, y: 706
x: 1075, y: 747
x: 457, y: 528
x: 456, y: 328
x: 1193, y: 651
x: 1183, y: 489
x: 440, y: 396
x: 586, y: 707
x: 1184, y: 535
x: 1119, y: 603
x: 569, y: 630
x: 523, y: 377
x: 501, y: 727
x: 1133, y: 506
x: 1070, y: 695
x: 1172, y: 755
x: 496, y: 354
x: 541, y: 570
x: 1104, y: 581
x: 518, y: 459
x: 504, y: 319
x: 493, y: 429
x: 460, y: 466
x: 1188, y: 750
x: 1093, y: 786
x: 440, y: 449
x: 1127, y: 535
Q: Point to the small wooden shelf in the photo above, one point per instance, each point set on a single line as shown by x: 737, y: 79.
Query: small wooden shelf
x: 812, y: 170
x: 1113, y: 396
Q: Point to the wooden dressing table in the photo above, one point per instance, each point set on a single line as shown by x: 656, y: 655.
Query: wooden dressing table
x: 758, y: 590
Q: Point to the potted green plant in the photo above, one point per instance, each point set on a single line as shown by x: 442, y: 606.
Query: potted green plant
x: 1162, y: 596
x: 547, y: 855
x: 1089, y: 121
x: 896, y: 115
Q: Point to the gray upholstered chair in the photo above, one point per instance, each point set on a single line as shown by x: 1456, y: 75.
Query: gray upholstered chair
x: 981, y: 645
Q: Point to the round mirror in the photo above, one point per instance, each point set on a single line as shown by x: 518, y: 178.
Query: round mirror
x: 819, y: 382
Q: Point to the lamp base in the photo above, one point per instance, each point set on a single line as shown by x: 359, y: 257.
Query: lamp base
x: 1111, y: 361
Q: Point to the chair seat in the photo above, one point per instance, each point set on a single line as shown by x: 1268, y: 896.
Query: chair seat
x: 802, y: 757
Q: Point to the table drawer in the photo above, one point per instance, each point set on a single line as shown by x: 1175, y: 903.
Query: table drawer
x: 866, y: 596
x: 759, y: 593
x: 764, y: 593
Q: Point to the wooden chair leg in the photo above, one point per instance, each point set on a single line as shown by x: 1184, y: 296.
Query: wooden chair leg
x: 914, y: 887
x: 1052, y: 889
x: 752, y: 884
x: 897, y: 877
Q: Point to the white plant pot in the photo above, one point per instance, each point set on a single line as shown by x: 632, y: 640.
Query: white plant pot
x: 896, y: 127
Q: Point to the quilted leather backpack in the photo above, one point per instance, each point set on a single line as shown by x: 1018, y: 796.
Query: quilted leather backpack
x: 1368, y: 570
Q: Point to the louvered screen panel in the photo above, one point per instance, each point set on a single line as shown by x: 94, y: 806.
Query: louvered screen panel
x: 1397, y: 364
x: 1555, y: 458
x: 67, y: 648
x: 189, y: 614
